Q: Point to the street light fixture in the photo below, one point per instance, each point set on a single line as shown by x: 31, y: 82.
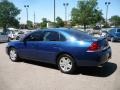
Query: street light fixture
x: 65, y: 5
x: 26, y: 6
x: 107, y: 5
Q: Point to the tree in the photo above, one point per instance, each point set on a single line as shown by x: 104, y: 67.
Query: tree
x: 29, y: 24
x: 43, y: 24
x: 115, y: 20
x: 8, y: 13
x: 86, y: 13
x: 59, y: 22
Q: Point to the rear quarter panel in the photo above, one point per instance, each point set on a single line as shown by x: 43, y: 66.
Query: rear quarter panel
x: 77, y: 48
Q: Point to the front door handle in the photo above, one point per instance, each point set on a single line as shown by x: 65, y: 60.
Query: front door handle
x: 55, y: 45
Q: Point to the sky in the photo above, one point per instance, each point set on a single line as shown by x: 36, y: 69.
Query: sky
x: 44, y: 8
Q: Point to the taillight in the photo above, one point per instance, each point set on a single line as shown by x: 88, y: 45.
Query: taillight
x: 94, y: 47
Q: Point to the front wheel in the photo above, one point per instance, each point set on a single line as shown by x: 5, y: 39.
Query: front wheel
x: 13, y: 54
x: 66, y: 64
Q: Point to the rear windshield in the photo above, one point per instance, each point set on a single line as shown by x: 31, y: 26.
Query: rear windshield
x: 79, y: 35
x: 118, y: 30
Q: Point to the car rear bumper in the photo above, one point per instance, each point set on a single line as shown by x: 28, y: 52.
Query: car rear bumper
x: 102, y: 58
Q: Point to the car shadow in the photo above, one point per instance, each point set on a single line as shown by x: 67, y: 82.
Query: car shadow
x: 42, y: 64
x: 108, y: 69
x: 2, y: 42
x: 115, y: 42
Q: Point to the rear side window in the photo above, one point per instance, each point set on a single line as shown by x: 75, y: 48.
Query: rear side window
x: 118, y: 30
x: 51, y: 36
x: 62, y: 38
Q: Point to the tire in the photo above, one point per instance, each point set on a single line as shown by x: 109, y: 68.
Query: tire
x: 13, y: 55
x: 66, y: 64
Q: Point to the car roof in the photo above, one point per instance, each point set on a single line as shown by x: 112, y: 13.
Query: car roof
x: 58, y: 29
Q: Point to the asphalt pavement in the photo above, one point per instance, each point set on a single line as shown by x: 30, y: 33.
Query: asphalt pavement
x: 30, y: 75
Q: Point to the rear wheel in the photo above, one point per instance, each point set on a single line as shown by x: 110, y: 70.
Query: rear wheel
x: 66, y: 64
x: 13, y: 54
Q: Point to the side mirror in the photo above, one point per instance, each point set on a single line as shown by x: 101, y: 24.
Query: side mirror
x: 23, y: 40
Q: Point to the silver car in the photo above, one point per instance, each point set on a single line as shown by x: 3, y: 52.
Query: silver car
x: 4, y: 37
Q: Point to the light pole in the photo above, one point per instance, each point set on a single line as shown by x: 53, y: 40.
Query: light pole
x: 26, y: 6
x: 54, y: 10
x: 107, y: 5
x: 65, y: 5
x: 34, y: 19
x: 19, y: 18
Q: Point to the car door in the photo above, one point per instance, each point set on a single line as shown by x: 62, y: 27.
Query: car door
x: 49, y: 47
x: 29, y: 47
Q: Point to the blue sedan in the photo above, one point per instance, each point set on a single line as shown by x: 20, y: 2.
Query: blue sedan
x: 114, y: 34
x: 66, y: 48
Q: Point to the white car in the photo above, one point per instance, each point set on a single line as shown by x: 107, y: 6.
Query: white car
x: 11, y: 34
x: 22, y: 33
x: 4, y: 37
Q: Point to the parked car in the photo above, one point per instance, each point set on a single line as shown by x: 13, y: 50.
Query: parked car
x: 96, y: 30
x: 114, y: 34
x: 104, y: 33
x: 11, y: 34
x: 66, y: 48
x: 21, y: 34
x: 3, y: 37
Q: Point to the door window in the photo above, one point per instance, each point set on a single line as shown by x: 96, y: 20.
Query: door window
x: 36, y: 36
x: 62, y: 38
x: 51, y: 36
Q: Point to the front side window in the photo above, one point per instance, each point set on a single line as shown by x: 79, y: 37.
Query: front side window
x: 36, y: 36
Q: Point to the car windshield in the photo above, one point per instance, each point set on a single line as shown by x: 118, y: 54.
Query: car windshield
x: 3, y: 33
x: 118, y: 30
x: 79, y: 35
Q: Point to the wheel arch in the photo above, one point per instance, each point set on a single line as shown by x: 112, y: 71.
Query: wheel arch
x: 10, y: 48
x: 62, y: 53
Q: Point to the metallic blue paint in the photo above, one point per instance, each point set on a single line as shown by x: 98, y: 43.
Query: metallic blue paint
x: 48, y: 51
